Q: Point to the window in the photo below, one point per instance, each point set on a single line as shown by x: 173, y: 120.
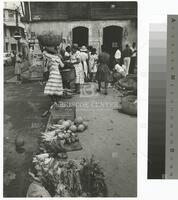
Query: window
x: 11, y: 32
x: 5, y: 31
x: 11, y: 14
x: 13, y: 47
x: 7, y: 46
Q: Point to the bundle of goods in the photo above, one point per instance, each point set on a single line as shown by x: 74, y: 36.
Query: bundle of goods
x: 49, y: 39
x: 129, y: 104
x: 72, y: 178
x: 127, y: 85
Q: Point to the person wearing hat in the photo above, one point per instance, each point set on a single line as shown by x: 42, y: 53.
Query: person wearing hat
x: 76, y: 62
x: 84, y: 60
x: 18, y: 66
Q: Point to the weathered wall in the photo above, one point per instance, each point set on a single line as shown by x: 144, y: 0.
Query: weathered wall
x: 95, y: 29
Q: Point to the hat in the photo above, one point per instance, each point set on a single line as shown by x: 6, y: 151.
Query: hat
x: 83, y: 48
x: 64, y: 38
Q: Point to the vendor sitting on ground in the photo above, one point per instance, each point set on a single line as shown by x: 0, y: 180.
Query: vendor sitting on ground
x: 119, y: 72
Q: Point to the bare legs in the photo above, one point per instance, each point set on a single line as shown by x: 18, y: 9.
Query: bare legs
x: 105, y: 87
x: 55, y: 98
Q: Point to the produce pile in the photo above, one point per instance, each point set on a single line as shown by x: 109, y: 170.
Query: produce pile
x: 56, y: 176
x: 72, y: 178
x: 78, y: 125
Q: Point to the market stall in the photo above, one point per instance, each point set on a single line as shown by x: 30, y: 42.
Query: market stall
x: 53, y: 174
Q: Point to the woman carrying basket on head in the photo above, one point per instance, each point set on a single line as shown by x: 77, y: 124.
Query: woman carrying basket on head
x: 54, y: 86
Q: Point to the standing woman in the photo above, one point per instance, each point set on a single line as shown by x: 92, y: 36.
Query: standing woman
x: 18, y: 66
x: 84, y: 60
x: 93, y: 64
x: 103, y: 74
x: 54, y: 86
x: 133, y: 59
x: 76, y: 62
x: 127, y: 53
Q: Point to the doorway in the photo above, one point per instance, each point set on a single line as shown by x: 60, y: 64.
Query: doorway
x: 112, y: 39
x: 80, y: 35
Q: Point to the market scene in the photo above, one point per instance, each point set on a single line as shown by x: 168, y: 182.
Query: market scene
x: 70, y: 99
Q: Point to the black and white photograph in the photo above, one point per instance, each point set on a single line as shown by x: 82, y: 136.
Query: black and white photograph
x: 70, y: 99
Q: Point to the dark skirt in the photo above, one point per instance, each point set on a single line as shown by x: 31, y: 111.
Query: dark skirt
x: 103, y: 74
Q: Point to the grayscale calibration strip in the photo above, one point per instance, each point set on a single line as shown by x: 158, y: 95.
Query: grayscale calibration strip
x: 171, y: 167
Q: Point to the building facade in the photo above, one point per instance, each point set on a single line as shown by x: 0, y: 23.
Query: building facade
x: 10, y: 44
x: 112, y: 24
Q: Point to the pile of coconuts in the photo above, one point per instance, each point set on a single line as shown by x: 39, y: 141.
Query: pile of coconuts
x: 78, y: 125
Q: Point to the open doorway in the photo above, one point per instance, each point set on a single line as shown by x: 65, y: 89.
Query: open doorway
x: 80, y: 35
x: 112, y: 39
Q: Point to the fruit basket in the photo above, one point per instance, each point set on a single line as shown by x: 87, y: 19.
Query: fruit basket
x: 128, y: 83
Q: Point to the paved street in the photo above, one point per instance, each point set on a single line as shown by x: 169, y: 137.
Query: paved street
x: 111, y: 136
x: 9, y: 70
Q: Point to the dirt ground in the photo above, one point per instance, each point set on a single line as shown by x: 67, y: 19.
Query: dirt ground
x: 111, y: 136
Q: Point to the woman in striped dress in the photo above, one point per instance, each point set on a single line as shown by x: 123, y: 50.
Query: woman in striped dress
x: 54, y: 86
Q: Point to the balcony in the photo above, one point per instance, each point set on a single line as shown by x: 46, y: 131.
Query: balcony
x: 10, y: 39
x: 13, y: 23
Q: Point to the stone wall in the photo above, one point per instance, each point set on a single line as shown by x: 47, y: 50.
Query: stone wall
x: 95, y: 29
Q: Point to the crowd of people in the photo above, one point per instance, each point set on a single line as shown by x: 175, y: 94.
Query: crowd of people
x: 88, y: 66
x: 125, y: 62
x: 85, y: 62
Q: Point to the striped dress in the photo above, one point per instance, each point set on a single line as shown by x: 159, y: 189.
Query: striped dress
x: 54, y: 85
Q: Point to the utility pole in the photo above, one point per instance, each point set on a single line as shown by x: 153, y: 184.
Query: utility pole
x: 17, y: 35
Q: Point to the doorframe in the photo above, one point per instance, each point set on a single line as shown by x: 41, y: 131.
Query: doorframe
x: 102, y: 33
x: 83, y: 26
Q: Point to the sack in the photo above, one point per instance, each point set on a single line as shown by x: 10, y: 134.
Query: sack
x: 37, y: 190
